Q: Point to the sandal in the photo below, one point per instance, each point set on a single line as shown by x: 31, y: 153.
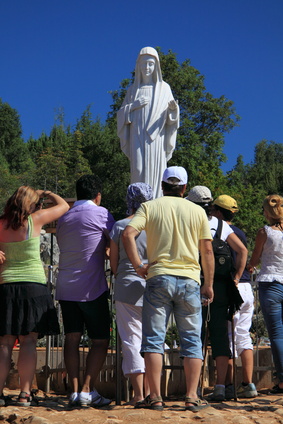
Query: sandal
x: 140, y: 404
x: 152, y: 403
x: 197, y: 404
x: 26, y: 399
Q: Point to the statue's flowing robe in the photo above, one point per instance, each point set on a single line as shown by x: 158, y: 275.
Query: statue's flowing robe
x: 148, y: 134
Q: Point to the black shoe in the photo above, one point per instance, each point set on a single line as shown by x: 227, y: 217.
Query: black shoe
x: 276, y: 390
x: 2, y: 400
x: 5, y: 400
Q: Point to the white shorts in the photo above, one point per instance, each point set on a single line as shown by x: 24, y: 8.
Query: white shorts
x: 129, y: 323
x: 243, y: 320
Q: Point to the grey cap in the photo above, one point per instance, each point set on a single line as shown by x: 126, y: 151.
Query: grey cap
x: 200, y: 194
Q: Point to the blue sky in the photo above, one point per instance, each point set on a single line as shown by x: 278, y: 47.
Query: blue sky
x: 70, y: 53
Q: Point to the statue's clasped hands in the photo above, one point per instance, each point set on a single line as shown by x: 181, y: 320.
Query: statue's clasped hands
x: 140, y: 102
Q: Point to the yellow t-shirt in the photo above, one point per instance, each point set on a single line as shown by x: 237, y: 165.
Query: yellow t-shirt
x: 173, y: 228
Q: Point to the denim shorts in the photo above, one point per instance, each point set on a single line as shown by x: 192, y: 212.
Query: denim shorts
x: 181, y: 295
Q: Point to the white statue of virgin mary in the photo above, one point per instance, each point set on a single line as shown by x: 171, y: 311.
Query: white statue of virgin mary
x: 148, y: 121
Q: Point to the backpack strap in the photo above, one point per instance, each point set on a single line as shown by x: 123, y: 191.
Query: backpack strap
x: 218, y: 232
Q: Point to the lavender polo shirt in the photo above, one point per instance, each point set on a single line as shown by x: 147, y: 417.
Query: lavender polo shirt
x: 82, y: 235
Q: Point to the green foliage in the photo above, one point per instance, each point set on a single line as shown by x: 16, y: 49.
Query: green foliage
x: 204, y: 120
x: 172, y: 337
x: 12, y: 146
x: 8, y: 182
x: 51, y: 171
x: 267, y: 170
x: 101, y: 147
x: 258, y: 329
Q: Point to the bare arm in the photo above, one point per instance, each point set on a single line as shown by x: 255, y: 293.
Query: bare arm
x: 2, y: 257
x: 242, y: 254
x: 45, y: 216
x: 207, y: 263
x: 256, y: 255
x: 114, y: 256
x: 129, y: 239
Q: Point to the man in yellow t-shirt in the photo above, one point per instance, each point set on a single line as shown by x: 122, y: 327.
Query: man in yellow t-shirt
x: 176, y: 231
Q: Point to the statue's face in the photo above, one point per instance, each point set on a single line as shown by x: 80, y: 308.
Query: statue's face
x: 147, y: 64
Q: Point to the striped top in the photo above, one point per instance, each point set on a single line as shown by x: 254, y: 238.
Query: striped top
x: 23, y: 263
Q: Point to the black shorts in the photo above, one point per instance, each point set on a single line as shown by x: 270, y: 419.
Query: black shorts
x: 93, y: 314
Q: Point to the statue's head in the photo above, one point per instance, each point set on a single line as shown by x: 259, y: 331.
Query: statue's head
x: 148, y: 64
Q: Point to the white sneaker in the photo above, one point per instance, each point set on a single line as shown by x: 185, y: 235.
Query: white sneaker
x: 248, y: 391
x: 93, y: 399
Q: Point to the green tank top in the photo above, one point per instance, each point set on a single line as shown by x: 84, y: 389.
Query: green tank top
x: 23, y: 263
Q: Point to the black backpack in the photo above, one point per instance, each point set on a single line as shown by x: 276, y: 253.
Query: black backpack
x: 224, y: 264
x: 224, y: 271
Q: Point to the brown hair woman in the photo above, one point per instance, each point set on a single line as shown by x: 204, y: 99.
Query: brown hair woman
x: 26, y: 307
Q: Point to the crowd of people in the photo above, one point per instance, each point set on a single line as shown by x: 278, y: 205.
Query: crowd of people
x: 162, y: 259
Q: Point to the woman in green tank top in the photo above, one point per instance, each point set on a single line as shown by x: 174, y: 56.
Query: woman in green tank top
x: 26, y: 306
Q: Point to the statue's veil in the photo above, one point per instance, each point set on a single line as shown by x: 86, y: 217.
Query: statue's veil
x: 157, y: 76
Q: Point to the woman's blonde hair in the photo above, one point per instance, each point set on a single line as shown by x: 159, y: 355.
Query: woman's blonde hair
x: 19, y: 207
x: 273, y: 205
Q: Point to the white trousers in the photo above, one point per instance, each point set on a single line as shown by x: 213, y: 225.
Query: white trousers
x: 129, y: 323
x: 243, y: 320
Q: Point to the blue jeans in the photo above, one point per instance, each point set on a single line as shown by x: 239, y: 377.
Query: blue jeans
x: 165, y: 294
x: 271, y: 302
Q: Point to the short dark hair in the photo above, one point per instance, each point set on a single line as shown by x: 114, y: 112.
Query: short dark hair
x: 206, y: 206
x: 88, y: 187
x: 227, y: 215
x: 172, y: 189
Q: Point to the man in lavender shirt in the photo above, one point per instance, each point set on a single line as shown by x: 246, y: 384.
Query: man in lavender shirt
x: 83, y: 236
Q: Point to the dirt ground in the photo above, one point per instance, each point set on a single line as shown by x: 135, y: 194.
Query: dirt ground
x: 53, y: 409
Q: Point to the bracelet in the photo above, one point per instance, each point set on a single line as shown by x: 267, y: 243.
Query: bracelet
x: 140, y: 266
x: 236, y: 279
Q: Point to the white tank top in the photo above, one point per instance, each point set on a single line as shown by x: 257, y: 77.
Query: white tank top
x: 272, y: 257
